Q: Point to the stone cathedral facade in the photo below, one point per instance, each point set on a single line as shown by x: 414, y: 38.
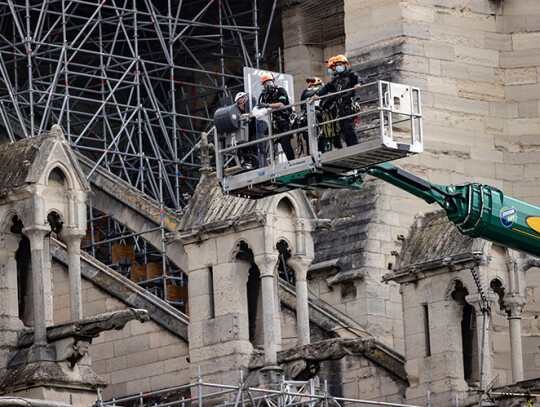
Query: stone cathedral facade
x: 389, y: 303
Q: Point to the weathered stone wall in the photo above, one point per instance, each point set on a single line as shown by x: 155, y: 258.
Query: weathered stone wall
x: 376, y: 307
x: 357, y: 377
x: 313, y: 31
x: 361, y: 239
x: 139, y: 358
x: 530, y: 325
x: 289, y: 329
x: 477, y: 65
x: 442, y: 370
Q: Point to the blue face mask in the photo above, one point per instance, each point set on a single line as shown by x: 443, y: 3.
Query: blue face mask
x: 340, y: 68
x: 330, y: 71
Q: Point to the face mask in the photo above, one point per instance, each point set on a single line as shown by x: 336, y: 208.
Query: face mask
x: 340, y: 68
x: 330, y: 71
x: 269, y: 87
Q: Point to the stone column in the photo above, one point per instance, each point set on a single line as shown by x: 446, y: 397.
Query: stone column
x: 482, y: 329
x: 300, y: 265
x: 9, y: 302
x: 36, y: 234
x: 267, y: 265
x: 72, y: 238
x: 514, y: 305
x: 10, y: 323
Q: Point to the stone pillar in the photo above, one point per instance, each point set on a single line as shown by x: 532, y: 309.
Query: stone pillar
x: 72, y: 238
x: 9, y: 302
x: 514, y: 305
x: 267, y: 266
x: 482, y: 329
x: 36, y: 234
x: 300, y: 265
x: 10, y: 323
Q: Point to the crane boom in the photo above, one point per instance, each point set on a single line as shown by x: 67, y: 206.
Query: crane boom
x: 476, y: 210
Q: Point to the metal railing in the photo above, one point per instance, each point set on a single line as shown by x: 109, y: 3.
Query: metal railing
x: 288, y: 393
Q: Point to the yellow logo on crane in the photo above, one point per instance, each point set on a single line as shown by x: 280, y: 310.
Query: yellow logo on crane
x: 534, y: 223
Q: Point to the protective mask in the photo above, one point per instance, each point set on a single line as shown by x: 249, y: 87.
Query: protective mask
x: 340, y: 69
x: 330, y: 71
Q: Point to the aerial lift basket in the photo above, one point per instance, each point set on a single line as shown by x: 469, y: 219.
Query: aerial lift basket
x: 388, y: 122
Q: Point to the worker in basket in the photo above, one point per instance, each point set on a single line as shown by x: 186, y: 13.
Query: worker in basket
x: 257, y: 129
x: 324, y: 132
x: 343, y: 79
x: 275, y: 97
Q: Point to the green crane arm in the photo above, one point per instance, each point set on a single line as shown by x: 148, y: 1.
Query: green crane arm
x: 477, y: 210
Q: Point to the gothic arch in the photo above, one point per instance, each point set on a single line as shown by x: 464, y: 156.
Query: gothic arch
x: 456, y: 282
x: 7, y: 221
x: 286, y: 207
x: 282, y: 241
x: 57, y: 170
x: 241, y: 250
x: 19, y: 248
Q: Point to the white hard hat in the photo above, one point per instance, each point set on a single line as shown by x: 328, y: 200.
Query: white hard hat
x: 239, y: 95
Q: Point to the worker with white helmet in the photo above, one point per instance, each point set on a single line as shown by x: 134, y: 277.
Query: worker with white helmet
x: 257, y: 128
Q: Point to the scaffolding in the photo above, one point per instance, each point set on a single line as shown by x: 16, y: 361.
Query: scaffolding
x: 286, y: 393
x: 133, y: 84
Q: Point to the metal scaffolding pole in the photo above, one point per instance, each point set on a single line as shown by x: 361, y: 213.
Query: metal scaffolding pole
x: 115, y: 61
x: 133, y: 84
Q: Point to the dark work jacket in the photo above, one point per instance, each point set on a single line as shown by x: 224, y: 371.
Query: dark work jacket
x: 307, y: 93
x: 275, y: 96
x: 310, y: 91
x: 340, y: 81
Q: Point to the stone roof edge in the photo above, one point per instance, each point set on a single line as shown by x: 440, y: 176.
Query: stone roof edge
x: 323, y: 266
x: 13, y: 401
x: 127, y: 291
x: 330, y: 319
x: 412, y: 272
x: 195, y: 233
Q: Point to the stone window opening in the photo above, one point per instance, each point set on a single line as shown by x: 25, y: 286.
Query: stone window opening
x: 253, y: 286
x: 55, y: 222
x: 469, y: 340
x: 497, y: 286
x: 254, y: 299
x: 24, y: 271
x: 427, y: 338
x: 211, y: 304
x: 285, y: 272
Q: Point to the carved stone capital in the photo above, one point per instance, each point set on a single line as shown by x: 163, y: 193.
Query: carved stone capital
x: 476, y: 300
x: 72, y: 237
x: 36, y: 233
x: 267, y: 263
x: 300, y: 265
x: 513, y: 305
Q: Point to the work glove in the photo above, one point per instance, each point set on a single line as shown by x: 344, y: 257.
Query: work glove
x: 259, y: 112
x: 263, y: 105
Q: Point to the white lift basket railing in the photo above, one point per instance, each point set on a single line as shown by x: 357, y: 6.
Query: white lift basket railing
x: 388, y: 123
